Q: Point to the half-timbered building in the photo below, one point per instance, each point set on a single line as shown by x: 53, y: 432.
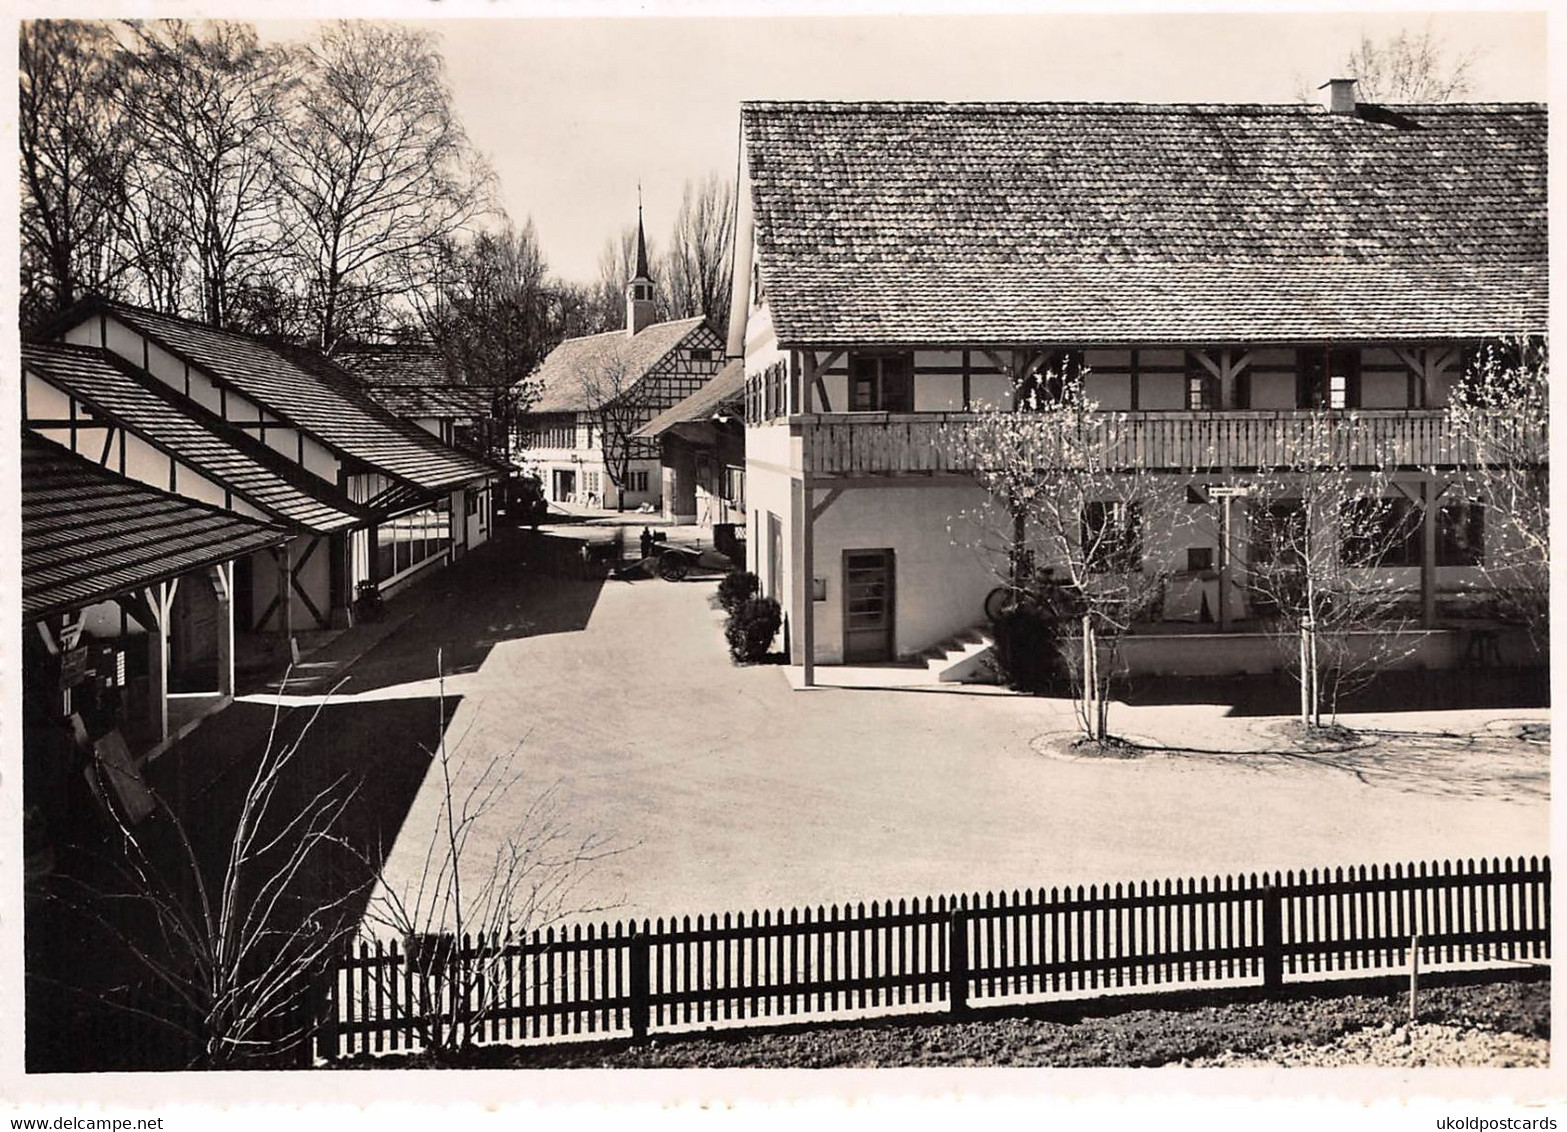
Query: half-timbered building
x: 1218, y: 272
x: 582, y: 409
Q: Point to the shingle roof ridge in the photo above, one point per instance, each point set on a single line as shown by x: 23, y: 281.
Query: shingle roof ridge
x: 689, y: 321
x: 894, y: 106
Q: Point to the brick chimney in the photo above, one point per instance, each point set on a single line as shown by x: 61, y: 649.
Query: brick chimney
x: 1341, y: 95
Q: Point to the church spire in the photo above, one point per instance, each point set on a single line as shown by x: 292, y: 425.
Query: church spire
x: 639, y: 289
x: 642, y: 271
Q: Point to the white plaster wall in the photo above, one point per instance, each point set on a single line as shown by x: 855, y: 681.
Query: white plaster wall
x: 1159, y: 391
x: 771, y: 445
x: 43, y: 401
x: 940, y: 579
x: 145, y: 463
x: 165, y: 366
x: 193, y: 485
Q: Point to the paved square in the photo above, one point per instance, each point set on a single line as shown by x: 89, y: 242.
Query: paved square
x: 726, y: 790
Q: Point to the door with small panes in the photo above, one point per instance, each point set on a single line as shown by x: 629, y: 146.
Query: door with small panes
x: 868, y: 605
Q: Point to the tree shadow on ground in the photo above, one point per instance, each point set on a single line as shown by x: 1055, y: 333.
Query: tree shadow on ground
x: 1279, y: 694
x: 81, y: 978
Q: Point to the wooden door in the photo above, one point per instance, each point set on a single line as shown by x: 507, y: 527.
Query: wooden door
x: 868, y: 608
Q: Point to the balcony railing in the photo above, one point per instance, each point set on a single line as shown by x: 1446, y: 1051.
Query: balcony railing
x: 851, y: 444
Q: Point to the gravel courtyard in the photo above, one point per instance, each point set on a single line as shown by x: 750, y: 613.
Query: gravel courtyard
x: 723, y: 789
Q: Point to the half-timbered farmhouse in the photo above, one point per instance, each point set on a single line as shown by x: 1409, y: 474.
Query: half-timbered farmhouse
x: 1218, y: 271
x: 579, y: 435
x: 231, y: 421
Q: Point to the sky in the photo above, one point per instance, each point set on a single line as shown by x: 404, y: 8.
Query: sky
x: 573, y: 113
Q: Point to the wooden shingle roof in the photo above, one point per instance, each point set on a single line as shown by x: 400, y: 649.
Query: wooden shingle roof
x: 89, y: 535
x: 1080, y: 223
x: 117, y: 392
x: 560, y: 376
x: 309, y: 392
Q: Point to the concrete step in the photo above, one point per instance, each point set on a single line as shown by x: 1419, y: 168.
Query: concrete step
x: 961, y: 657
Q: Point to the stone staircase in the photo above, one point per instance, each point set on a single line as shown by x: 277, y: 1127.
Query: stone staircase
x: 961, y: 658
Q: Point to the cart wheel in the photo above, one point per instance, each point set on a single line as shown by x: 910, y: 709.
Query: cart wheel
x: 672, y: 566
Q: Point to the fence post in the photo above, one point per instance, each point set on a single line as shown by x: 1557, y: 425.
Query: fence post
x: 321, y: 1007
x: 1272, y: 938
x: 957, y: 973
x: 641, y: 983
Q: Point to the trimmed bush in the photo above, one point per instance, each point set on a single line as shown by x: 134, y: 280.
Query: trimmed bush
x: 751, y: 629
x: 1028, y: 654
x: 737, y: 588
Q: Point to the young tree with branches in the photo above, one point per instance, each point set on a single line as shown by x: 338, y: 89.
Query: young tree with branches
x: 617, y: 404
x: 235, y: 946
x: 1327, y: 560
x: 1500, y: 412
x: 467, y: 903
x: 1065, y: 524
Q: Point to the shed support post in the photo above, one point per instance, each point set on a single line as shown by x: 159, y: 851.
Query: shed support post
x: 285, y: 589
x: 1428, y: 500
x: 223, y: 586
x: 160, y: 601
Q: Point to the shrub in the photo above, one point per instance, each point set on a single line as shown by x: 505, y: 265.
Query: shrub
x: 1028, y: 654
x: 737, y: 588
x: 751, y: 629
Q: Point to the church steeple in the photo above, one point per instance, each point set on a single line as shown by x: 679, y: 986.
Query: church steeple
x: 639, y: 290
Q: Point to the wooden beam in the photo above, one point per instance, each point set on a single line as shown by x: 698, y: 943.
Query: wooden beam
x: 827, y: 501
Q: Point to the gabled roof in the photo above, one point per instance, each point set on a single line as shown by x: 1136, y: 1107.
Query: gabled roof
x: 377, y: 365
x: 1080, y: 223
x: 560, y: 375
x: 89, y: 535
x: 726, y: 390
x: 308, y: 391
x: 185, y: 429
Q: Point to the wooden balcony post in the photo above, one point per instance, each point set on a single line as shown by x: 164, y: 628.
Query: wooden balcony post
x: 1428, y: 499
x: 804, y: 588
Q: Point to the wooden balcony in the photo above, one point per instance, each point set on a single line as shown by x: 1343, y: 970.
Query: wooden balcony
x: 862, y: 444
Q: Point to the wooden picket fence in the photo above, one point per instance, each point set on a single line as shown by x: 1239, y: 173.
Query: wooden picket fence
x: 949, y: 953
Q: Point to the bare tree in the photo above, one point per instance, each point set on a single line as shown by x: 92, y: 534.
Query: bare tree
x: 697, y: 268
x: 375, y: 170
x: 1500, y: 411
x: 233, y: 950
x: 75, y: 150
x: 205, y: 104
x: 487, y: 306
x: 1408, y: 68
x: 1330, y: 545
x: 1065, y: 524
x: 618, y: 404
x: 462, y: 909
